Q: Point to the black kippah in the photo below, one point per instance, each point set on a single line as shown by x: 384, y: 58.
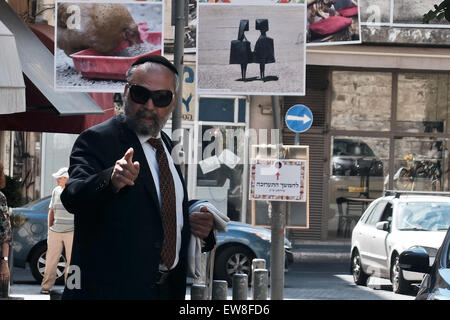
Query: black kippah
x: 156, y: 59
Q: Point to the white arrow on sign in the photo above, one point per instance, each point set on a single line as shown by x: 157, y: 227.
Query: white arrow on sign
x: 303, y: 118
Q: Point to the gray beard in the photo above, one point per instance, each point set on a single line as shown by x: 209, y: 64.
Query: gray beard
x: 135, y: 124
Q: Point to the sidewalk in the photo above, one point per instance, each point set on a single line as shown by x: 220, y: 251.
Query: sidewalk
x: 326, y: 251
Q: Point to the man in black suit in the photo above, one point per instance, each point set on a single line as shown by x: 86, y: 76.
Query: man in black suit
x: 118, y: 193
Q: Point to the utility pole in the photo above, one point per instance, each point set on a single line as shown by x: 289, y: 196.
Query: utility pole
x: 178, y: 62
x: 278, y: 213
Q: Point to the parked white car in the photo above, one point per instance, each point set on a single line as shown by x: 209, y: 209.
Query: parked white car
x: 393, y: 224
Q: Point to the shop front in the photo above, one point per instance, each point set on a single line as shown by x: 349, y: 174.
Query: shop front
x: 378, y: 129
x: 388, y: 130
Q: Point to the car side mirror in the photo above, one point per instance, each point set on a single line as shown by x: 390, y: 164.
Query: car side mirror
x: 415, y: 259
x: 382, y: 225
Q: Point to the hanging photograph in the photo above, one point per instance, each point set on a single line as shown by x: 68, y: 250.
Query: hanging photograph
x: 333, y: 22
x: 251, y: 49
x: 96, y: 42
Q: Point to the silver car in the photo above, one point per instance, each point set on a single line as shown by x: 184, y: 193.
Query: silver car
x: 391, y: 225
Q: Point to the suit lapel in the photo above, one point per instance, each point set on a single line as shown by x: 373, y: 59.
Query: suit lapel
x: 129, y: 139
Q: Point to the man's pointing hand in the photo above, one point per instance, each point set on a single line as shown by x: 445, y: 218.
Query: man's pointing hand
x: 125, y: 171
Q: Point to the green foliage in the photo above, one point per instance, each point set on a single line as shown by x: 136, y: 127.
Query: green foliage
x: 12, y: 192
x: 440, y: 12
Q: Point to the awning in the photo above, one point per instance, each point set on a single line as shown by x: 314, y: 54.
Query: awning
x: 46, y: 121
x: 12, y: 86
x: 38, y: 66
x: 365, y: 56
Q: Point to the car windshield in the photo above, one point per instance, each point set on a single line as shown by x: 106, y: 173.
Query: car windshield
x: 423, y: 216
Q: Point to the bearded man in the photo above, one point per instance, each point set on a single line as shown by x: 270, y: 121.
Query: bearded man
x: 132, y: 221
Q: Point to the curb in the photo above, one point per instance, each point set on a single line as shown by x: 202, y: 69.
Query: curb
x: 321, y: 256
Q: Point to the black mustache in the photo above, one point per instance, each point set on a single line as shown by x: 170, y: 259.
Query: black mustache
x: 142, y: 113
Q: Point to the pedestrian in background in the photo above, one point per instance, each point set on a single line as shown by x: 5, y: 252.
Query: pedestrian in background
x: 60, y: 233
x: 5, y: 236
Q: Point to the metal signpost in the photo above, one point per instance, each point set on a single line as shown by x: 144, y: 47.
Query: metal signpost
x: 280, y: 180
x: 278, y: 221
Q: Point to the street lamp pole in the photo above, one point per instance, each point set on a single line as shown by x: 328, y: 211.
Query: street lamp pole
x: 178, y: 62
x: 278, y: 213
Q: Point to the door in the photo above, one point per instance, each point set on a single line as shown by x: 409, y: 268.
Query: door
x: 367, y: 235
x: 378, y: 244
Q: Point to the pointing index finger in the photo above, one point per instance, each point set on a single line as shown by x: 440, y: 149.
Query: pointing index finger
x: 129, y: 155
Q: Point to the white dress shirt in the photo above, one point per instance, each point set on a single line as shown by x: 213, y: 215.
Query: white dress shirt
x: 150, y: 154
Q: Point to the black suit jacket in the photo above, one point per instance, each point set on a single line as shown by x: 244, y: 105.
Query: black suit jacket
x: 118, y: 237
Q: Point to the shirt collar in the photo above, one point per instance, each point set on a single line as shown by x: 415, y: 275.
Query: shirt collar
x: 144, y: 138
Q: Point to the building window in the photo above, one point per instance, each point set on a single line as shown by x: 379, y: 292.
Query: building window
x: 421, y: 164
x: 216, y: 109
x: 423, y: 102
x: 359, y: 169
x: 361, y: 100
x: 242, y: 110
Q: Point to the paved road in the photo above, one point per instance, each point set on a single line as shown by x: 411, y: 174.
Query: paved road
x: 331, y: 280
x: 309, y: 280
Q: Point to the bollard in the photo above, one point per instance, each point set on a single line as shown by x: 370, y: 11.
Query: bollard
x: 220, y: 290
x: 240, y: 286
x: 260, y: 284
x: 198, y: 292
x: 257, y: 264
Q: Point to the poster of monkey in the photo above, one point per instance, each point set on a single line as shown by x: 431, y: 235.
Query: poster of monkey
x: 97, y: 41
x: 251, y: 47
x: 332, y: 22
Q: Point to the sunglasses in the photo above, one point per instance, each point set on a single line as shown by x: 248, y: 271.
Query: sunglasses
x: 160, y: 98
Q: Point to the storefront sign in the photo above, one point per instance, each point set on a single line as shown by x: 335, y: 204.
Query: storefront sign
x: 189, y: 100
x: 278, y: 180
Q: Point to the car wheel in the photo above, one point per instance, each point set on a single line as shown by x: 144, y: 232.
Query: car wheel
x: 359, y: 276
x: 38, y: 261
x: 232, y: 260
x: 399, y: 284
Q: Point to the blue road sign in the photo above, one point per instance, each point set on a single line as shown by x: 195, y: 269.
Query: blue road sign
x: 299, y: 118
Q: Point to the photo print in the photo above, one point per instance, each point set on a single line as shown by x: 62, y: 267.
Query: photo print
x: 333, y: 22
x: 96, y: 42
x: 251, y: 49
